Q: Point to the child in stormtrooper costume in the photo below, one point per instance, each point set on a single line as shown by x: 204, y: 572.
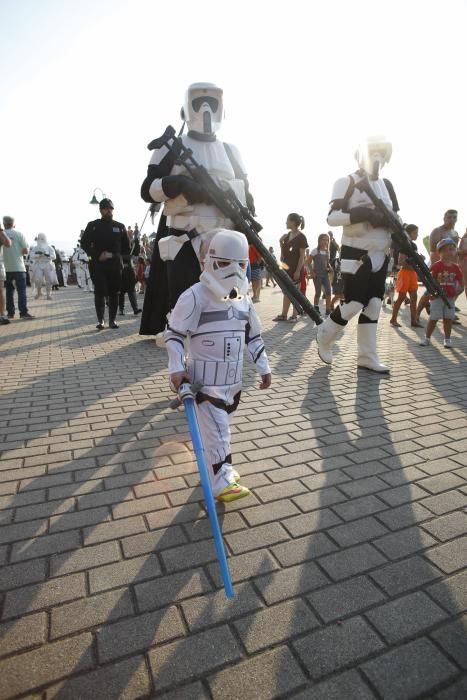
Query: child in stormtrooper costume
x: 208, y: 329
x: 188, y: 216
x: 43, y: 273
x: 364, y: 254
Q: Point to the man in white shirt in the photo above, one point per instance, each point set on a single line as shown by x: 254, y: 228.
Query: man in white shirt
x: 15, y: 270
x: 4, y: 241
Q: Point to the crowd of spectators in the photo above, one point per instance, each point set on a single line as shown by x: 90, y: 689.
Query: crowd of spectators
x: 44, y: 267
x: 321, y: 266
x: 318, y: 265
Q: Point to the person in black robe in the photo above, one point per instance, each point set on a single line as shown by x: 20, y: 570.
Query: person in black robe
x: 105, y: 241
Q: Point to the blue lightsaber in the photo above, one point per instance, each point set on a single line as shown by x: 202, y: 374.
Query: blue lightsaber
x: 186, y: 394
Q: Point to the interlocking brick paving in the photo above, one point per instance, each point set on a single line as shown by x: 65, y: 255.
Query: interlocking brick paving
x: 349, y: 561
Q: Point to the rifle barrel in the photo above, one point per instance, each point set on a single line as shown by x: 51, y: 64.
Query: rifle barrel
x: 408, y: 246
x: 233, y: 209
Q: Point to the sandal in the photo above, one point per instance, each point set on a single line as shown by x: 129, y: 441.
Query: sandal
x: 292, y: 319
x: 394, y: 324
x: 280, y: 317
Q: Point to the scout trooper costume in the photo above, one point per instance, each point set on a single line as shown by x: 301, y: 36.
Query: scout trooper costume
x: 208, y: 329
x: 190, y: 216
x: 43, y: 271
x: 364, y: 254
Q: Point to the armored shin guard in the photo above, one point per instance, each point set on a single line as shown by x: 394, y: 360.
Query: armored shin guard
x: 366, y: 335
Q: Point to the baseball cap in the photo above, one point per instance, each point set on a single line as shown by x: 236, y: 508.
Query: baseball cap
x: 445, y: 242
x: 106, y: 204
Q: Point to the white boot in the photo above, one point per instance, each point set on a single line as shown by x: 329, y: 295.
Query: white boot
x: 38, y: 292
x: 49, y: 292
x: 367, y: 355
x: 328, y: 332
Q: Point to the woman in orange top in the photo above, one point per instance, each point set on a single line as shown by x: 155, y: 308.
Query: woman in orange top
x: 406, y: 283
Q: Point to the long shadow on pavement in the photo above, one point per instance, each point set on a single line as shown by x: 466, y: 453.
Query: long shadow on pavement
x: 157, y: 527
x: 382, y: 595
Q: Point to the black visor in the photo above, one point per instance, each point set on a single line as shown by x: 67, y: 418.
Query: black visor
x: 213, y: 102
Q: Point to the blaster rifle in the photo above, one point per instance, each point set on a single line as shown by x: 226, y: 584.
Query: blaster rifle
x: 231, y: 207
x: 404, y: 242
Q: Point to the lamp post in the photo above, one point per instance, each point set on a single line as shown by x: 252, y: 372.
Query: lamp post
x: 94, y: 199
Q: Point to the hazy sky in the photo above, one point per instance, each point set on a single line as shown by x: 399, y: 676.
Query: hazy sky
x: 86, y: 84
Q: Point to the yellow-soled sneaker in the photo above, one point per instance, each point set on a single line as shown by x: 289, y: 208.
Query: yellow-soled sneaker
x: 232, y: 492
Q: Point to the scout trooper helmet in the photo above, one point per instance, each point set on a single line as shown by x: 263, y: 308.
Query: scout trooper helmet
x: 225, y: 266
x: 372, y: 154
x: 203, y: 108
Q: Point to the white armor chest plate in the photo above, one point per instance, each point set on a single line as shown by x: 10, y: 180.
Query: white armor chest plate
x: 213, y: 156
x: 215, y: 353
x: 39, y: 255
x: 364, y: 235
x: 204, y: 217
x: 361, y: 199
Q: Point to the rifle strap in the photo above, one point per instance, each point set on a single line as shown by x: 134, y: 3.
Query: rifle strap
x: 343, y: 204
x: 392, y: 194
x: 238, y: 172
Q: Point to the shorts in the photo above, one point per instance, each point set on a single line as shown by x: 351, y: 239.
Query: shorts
x: 407, y: 281
x: 323, y: 282
x: 255, y: 272
x: 2, y: 273
x: 439, y: 310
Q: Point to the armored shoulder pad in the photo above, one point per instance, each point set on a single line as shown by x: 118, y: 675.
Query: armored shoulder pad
x: 341, y: 188
x: 392, y: 194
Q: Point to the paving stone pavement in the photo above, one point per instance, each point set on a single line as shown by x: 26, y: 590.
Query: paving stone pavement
x: 349, y: 560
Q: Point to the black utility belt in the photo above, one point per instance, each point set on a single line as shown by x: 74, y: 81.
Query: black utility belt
x: 218, y: 403
x: 349, y: 253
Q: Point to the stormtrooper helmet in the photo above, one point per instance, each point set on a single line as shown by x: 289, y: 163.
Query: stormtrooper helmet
x: 225, y: 266
x: 41, y: 240
x: 372, y: 153
x: 203, y: 108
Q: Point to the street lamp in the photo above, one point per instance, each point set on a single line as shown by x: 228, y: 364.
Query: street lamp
x: 94, y: 199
